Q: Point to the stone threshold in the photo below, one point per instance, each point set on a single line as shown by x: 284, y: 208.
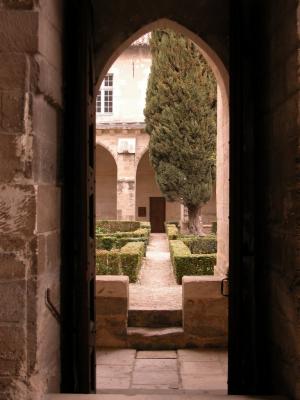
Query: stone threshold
x: 155, y: 395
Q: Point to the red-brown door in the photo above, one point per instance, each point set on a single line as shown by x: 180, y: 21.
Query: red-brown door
x: 157, y: 214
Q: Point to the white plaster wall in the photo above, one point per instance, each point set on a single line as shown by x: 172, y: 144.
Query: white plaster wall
x: 130, y: 76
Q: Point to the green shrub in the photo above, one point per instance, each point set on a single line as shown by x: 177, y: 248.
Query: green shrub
x: 131, y: 259
x: 145, y: 224
x: 112, y: 226
x: 185, y: 263
x: 120, y: 242
x: 105, y: 242
x: 172, y: 231
x: 201, y: 244
x: 108, y: 262
x: 177, y: 223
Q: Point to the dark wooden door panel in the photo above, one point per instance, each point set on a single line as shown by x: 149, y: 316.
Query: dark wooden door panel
x: 78, y: 247
x: 157, y: 214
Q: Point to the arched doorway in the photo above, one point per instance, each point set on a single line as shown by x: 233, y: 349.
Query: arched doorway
x: 150, y: 203
x: 105, y: 53
x: 222, y: 77
x: 144, y: 176
x: 106, y: 184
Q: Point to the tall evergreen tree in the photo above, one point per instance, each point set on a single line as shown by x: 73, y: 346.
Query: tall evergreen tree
x: 180, y: 116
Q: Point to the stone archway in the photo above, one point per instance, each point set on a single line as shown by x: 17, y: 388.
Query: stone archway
x: 221, y: 74
x: 146, y: 187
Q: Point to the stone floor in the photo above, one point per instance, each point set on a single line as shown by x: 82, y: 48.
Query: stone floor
x: 156, y: 287
x: 201, y: 370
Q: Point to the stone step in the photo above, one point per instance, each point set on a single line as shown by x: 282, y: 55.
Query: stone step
x: 154, y: 318
x: 156, y: 395
x: 170, y: 338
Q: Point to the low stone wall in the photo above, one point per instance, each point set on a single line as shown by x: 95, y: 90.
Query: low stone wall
x: 205, y: 311
x: 112, y: 294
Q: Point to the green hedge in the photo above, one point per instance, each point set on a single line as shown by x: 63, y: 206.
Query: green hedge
x: 104, y: 242
x: 120, y: 242
x: 119, y: 239
x: 112, y: 226
x: 172, y: 231
x: 108, y: 262
x: 201, y: 244
x: 185, y: 263
x: 131, y: 259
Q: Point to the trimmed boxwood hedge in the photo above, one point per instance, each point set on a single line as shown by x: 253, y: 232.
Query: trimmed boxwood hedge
x: 201, y: 244
x: 185, y: 263
x: 111, y: 226
x: 131, y: 259
x: 119, y: 239
x: 172, y: 231
x: 108, y: 262
x: 104, y: 242
x: 120, y: 242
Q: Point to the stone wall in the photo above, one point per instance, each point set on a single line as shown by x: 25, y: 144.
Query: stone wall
x: 106, y: 184
x: 30, y: 129
x: 112, y: 301
x: 279, y: 209
x: 205, y: 311
x: 136, y: 181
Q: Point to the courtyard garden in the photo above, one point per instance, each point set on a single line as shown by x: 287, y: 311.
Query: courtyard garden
x: 121, y: 247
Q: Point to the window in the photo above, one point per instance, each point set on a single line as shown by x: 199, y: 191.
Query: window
x: 104, y: 100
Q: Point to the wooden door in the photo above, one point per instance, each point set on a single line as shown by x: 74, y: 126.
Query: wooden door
x: 78, y: 239
x: 157, y: 214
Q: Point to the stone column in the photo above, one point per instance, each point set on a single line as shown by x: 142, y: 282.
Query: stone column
x: 126, y: 184
x: 222, y: 184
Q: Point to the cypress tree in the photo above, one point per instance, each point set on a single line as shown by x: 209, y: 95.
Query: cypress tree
x: 180, y: 116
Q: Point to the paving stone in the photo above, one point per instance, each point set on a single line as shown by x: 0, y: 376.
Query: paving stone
x: 198, y: 355
x: 155, y: 365
x: 115, y: 357
x: 113, y: 383
x: 167, y: 378
x: 215, y: 383
x: 114, y: 371
x: 156, y: 354
x: 156, y: 288
x: 197, y: 368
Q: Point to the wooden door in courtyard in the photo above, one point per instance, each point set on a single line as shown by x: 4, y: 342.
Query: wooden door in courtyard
x: 157, y: 214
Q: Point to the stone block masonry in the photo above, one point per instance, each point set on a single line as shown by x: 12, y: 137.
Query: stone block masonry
x: 112, y: 297
x: 30, y: 134
x: 205, y: 311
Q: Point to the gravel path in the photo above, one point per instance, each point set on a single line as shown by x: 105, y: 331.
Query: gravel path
x: 156, y: 288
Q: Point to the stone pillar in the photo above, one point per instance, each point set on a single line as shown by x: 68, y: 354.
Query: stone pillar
x: 126, y: 185
x: 30, y: 134
x: 205, y: 311
x: 112, y: 298
x: 222, y: 184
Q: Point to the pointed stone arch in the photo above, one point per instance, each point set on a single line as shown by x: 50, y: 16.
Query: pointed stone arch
x: 211, y: 54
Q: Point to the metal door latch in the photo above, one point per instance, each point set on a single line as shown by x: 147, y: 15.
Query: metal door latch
x: 224, y: 287
x: 51, y: 306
